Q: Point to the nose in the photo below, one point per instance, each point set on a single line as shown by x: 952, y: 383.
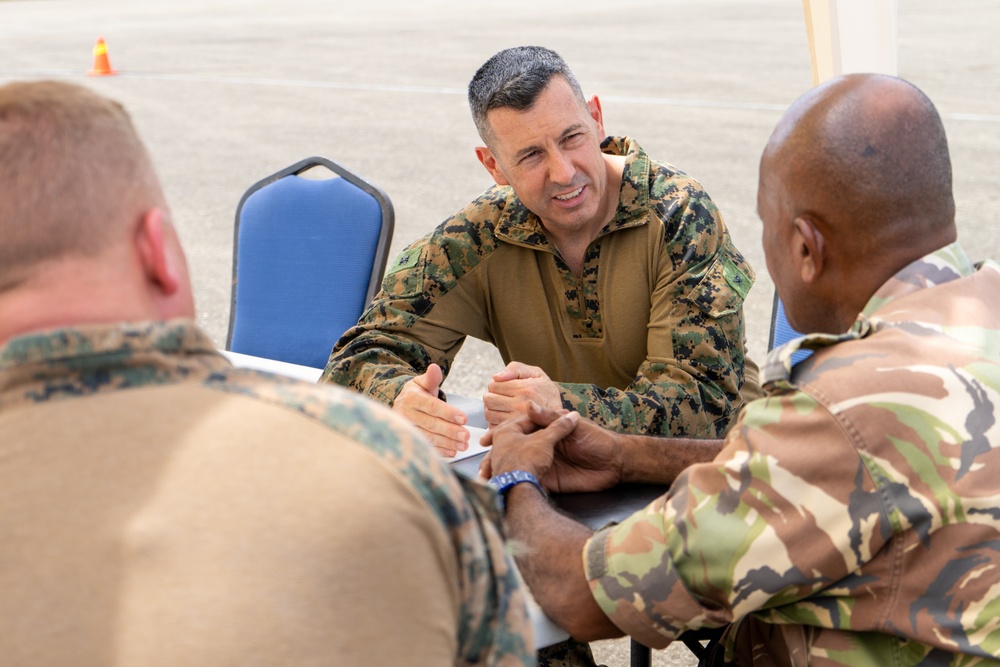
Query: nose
x: 561, y: 169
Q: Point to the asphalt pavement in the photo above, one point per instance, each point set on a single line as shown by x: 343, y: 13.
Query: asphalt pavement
x: 227, y: 91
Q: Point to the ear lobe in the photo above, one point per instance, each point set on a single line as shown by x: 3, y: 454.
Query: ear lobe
x: 158, y: 263
x: 811, y: 249
x: 594, y: 107
x: 486, y: 157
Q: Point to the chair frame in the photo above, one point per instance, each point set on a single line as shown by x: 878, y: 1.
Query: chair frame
x: 384, y: 237
x: 774, y: 322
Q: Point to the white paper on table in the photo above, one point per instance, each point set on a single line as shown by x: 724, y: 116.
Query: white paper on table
x: 474, y: 446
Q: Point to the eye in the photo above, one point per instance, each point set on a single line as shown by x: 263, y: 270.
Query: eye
x: 573, y: 139
x: 528, y: 157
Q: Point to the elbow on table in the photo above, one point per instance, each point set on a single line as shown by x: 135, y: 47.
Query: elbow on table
x: 585, y: 621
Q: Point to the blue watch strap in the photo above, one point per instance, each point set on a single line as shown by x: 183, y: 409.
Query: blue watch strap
x: 505, y: 481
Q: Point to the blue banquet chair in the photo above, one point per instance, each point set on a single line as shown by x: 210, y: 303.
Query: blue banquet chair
x: 782, y: 331
x: 308, y: 257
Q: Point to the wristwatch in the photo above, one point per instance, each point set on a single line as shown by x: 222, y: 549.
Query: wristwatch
x: 505, y: 481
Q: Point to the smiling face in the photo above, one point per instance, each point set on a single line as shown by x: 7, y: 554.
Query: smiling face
x: 551, y: 156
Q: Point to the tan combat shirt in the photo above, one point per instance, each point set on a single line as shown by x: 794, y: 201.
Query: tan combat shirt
x: 160, y: 507
x: 649, y: 339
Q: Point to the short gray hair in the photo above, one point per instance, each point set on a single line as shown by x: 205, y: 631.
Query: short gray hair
x: 513, y: 79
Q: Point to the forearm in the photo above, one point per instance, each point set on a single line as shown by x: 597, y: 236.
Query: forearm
x: 378, y: 363
x: 667, y: 402
x: 374, y: 378
x: 549, y: 554
x: 654, y: 460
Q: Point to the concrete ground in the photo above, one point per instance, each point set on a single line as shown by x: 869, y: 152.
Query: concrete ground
x: 228, y: 91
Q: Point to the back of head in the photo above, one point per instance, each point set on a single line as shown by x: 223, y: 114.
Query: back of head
x: 513, y: 79
x: 73, y: 174
x: 868, y: 154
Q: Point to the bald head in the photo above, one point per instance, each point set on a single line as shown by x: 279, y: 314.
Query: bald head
x: 869, y: 153
x: 73, y: 175
x: 855, y: 183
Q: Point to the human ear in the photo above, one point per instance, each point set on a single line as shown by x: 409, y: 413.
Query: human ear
x: 158, y: 262
x: 594, y: 108
x: 810, y: 248
x: 488, y: 160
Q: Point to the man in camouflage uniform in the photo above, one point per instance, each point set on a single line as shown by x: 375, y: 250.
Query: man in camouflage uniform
x: 851, y: 517
x: 160, y: 507
x: 607, y: 281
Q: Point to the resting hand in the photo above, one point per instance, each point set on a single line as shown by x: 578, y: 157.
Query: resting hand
x: 442, y: 424
x: 514, y: 388
x: 518, y: 444
x: 584, y: 458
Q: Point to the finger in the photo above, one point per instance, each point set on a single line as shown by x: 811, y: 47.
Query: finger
x: 497, y: 417
x: 498, y: 409
x: 444, y: 448
x: 560, y: 428
x: 502, y: 388
x: 436, y: 418
x: 486, y: 467
x: 413, y: 401
x: 515, y: 370
x: 445, y: 445
x: 443, y: 433
x: 520, y: 425
x: 496, y: 402
x: 544, y: 416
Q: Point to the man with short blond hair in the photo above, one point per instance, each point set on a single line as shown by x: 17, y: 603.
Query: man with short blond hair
x: 160, y: 507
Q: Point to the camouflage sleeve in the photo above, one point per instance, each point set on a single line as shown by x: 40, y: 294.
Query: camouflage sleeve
x: 394, y: 341
x: 690, y: 382
x: 785, y: 511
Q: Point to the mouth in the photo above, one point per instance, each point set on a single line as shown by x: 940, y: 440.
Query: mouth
x: 569, y: 196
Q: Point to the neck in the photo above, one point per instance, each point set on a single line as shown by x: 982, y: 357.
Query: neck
x: 573, y: 246
x: 67, y: 294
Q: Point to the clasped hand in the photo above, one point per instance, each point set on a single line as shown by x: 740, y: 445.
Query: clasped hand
x: 566, y: 452
x: 514, y: 388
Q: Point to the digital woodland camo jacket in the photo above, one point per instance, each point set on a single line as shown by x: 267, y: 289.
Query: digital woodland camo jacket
x: 160, y: 507
x: 853, y: 517
x: 649, y: 339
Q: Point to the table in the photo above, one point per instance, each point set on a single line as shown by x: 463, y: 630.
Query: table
x: 594, y: 510
x: 472, y: 407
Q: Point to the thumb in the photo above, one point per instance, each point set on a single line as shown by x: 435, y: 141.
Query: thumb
x: 430, y: 381
x: 486, y: 467
x: 515, y: 370
x: 560, y: 428
x: 542, y: 416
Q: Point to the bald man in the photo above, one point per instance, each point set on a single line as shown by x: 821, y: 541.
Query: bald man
x: 851, y: 517
x: 160, y: 507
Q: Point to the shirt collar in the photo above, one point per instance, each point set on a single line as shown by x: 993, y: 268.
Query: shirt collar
x: 941, y: 266
x: 93, y: 358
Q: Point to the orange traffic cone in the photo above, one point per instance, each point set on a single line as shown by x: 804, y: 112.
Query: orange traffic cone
x: 101, y: 65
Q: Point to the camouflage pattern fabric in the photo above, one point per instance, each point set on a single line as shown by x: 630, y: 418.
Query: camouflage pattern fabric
x: 648, y: 339
x: 70, y: 363
x: 569, y: 653
x: 852, y: 517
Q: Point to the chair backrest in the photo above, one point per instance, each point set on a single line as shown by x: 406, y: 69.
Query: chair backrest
x: 782, y: 331
x: 308, y: 257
